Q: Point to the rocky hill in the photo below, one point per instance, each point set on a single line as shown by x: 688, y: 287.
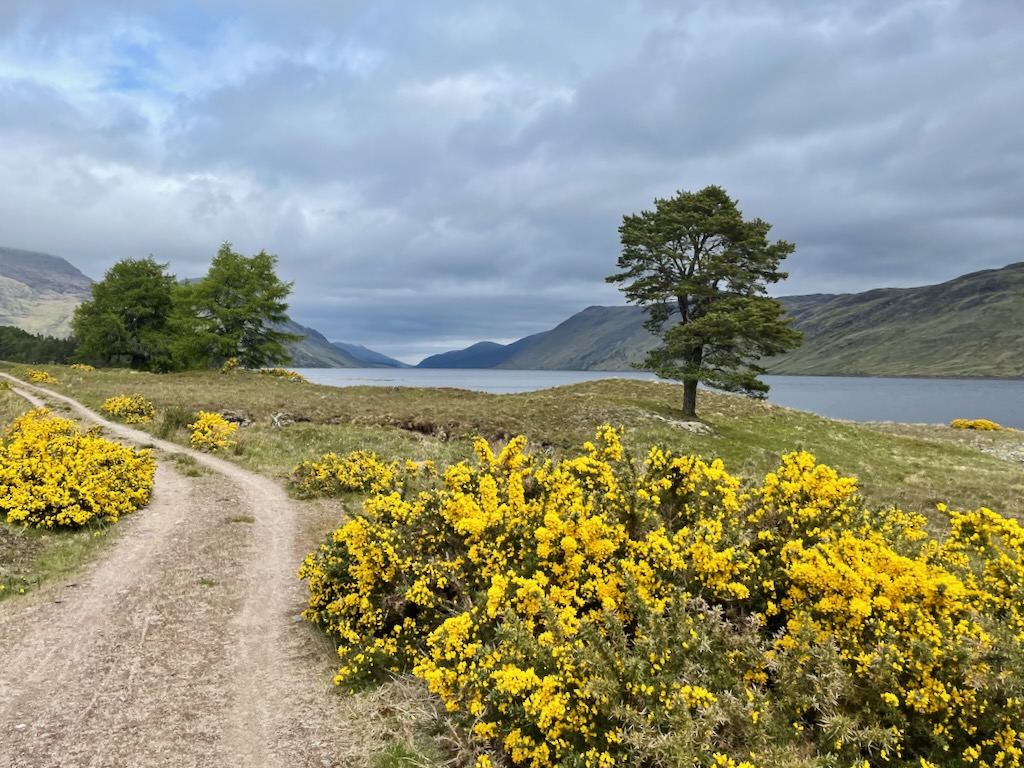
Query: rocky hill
x: 39, y: 292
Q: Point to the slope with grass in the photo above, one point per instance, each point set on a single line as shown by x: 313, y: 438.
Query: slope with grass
x: 39, y: 292
x: 970, y: 326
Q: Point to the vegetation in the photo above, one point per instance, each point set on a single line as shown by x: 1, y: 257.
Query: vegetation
x: 212, y: 432
x: 129, y: 319
x: 20, y: 346
x: 587, y: 612
x: 234, y: 311
x: 910, y: 467
x: 133, y: 410
x: 700, y: 272
x: 53, y: 475
x: 984, y: 424
x: 142, y: 317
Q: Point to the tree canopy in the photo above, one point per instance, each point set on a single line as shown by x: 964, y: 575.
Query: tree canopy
x: 236, y: 309
x: 127, y: 322
x: 700, y: 271
x: 142, y: 317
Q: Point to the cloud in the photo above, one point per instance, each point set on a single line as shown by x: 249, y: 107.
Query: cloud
x: 437, y: 175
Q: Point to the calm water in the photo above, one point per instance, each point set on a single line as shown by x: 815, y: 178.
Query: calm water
x: 930, y: 401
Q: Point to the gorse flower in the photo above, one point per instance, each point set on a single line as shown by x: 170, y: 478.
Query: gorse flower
x: 40, y: 377
x: 132, y: 410
x: 331, y: 474
x: 596, y: 611
x: 53, y: 475
x: 283, y: 373
x: 983, y: 424
x: 211, y: 432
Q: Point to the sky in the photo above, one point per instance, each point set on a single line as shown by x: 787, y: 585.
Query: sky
x: 433, y: 174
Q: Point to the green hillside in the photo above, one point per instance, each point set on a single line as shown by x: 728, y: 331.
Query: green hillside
x: 970, y: 326
x: 596, y: 339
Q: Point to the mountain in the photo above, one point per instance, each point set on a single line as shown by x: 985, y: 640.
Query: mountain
x: 972, y: 325
x: 315, y: 351
x: 485, y: 354
x: 369, y: 357
x: 596, y: 339
x: 39, y: 292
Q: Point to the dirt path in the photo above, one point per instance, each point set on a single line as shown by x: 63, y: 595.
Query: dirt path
x: 181, y: 647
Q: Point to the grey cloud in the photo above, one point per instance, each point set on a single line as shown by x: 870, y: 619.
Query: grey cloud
x: 432, y: 175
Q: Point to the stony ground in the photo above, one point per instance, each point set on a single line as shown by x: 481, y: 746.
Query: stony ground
x: 182, y: 646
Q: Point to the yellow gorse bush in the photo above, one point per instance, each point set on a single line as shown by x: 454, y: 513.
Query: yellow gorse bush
x: 82, y: 367
x: 283, y: 373
x: 53, y: 475
x: 231, y: 364
x: 983, y: 424
x: 40, y: 377
x: 211, y: 432
x: 331, y: 474
x: 597, y: 612
x: 132, y: 410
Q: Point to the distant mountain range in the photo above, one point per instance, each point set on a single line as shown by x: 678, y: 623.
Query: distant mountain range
x: 969, y: 326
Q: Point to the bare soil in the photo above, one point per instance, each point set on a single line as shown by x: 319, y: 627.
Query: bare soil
x: 183, y: 645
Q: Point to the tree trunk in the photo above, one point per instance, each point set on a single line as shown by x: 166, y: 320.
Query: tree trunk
x: 690, y: 398
x: 694, y: 356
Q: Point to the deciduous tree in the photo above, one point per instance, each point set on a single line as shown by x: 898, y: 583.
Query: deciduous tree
x: 700, y: 271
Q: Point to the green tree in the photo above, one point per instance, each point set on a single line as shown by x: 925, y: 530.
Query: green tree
x: 127, y: 322
x: 700, y: 272
x: 237, y: 308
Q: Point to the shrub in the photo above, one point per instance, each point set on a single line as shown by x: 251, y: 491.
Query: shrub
x: 332, y: 475
x: 283, y: 373
x: 40, y: 377
x: 211, y: 432
x: 231, y: 364
x: 591, y: 612
x: 132, y: 410
x: 82, y: 367
x: 53, y: 475
x: 974, y: 424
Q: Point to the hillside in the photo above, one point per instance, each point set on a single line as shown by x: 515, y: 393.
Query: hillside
x: 596, y: 339
x: 39, y: 292
x: 969, y: 326
x: 368, y: 357
x: 486, y: 354
x: 315, y: 351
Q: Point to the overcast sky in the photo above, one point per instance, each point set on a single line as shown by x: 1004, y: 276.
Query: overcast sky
x: 432, y: 174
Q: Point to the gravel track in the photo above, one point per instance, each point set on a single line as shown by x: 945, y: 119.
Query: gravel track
x: 181, y: 646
